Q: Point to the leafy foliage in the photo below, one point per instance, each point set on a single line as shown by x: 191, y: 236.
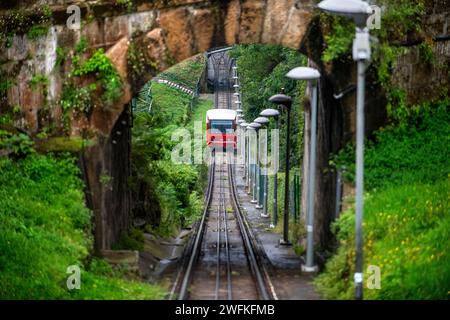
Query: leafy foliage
x: 19, y: 144
x: 20, y: 22
x: 339, y: 41
x: 406, y: 220
x: 45, y: 228
x: 407, y: 228
x: 415, y: 152
x: 262, y: 70
x: 176, y: 188
x: 78, y: 99
x: 100, y: 65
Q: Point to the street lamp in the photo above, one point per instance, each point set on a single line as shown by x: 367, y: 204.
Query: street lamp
x: 311, y: 75
x: 273, y: 113
x: 243, y: 125
x: 255, y: 126
x: 359, y: 11
x: 249, y: 168
x: 263, y: 182
x: 286, y: 101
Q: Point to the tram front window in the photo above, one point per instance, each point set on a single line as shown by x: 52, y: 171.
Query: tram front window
x: 221, y: 126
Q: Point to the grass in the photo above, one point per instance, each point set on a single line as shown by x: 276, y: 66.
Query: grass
x: 45, y: 228
x: 414, y: 152
x: 186, y: 72
x: 406, y: 217
x: 406, y: 232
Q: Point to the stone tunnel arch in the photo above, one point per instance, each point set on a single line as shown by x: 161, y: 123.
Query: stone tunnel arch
x: 171, y: 31
x: 179, y: 32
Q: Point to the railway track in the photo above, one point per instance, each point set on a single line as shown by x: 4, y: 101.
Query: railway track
x: 223, y: 260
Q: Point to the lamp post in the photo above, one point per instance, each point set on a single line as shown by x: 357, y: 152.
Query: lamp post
x: 263, y: 182
x: 255, y: 126
x: 286, y: 101
x: 243, y: 126
x: 272, y: 113
x: 359, y: 11
x: 249, y: 171
x: 240, y: 139
x: 311, y: 75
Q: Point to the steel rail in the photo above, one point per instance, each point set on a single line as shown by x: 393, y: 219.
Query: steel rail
x: 199, y: 235
x: 216, y: 293
x: 260, y: 273
x: 251, y: 256
x: 227, y: 251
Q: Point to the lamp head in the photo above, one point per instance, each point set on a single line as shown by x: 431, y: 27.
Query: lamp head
x: 303, y: 73
x: 281, y: 99
x: 255, y: 125
x: 262, y: 120
x: 270, y: 113
x: 357, y: 10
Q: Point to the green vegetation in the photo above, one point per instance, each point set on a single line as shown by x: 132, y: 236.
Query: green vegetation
x: 262, y: 70
x: 128, y: 4
x: 169, y: 195
x: 82, y: 46
x: 399, y: 21
x: 187, y: 72
x: 296, y: 229
x: 104, y: 85
x: 406, y: 218
x: 45, y: 228
x: 100, y: 65
x: 78, y: 99
x: 34, y: 24
x: 37, y: 31
x: 339, y: 40
x: 17, y: 144
x: 141, y: 67
x: 177, y: 188
x: 39, y: 79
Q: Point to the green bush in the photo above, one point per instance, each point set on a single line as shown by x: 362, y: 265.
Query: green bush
x: 177, y: 187
x: 262, y: 70
x: 19, y: 144
x: 417, y: 151
x: 406, y: 217
x: 100, y: 65
x: 45, y: 228
x: 339, y: 41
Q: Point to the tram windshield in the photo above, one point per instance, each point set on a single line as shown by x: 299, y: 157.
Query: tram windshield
x: 222, y: 126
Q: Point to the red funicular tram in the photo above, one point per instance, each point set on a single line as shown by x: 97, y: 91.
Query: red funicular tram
x: 221, y: 128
